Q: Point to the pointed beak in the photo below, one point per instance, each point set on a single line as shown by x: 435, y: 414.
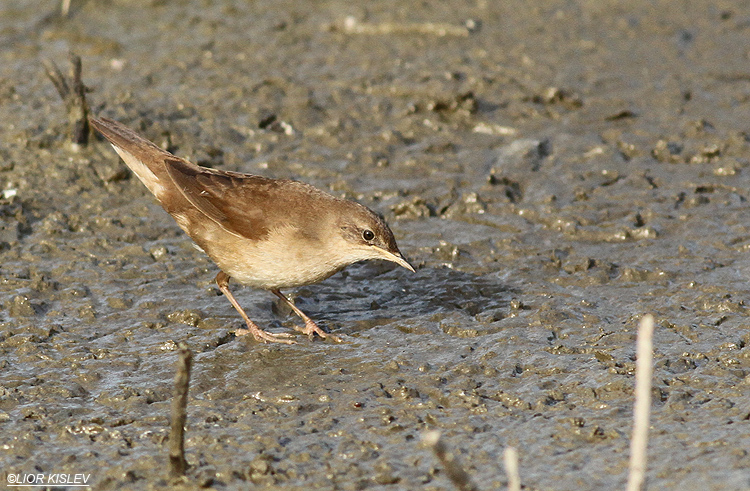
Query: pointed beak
x: 394, y: 257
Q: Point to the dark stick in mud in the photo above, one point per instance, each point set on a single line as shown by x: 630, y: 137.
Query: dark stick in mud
x: 456, y: 473
x: 73, y: 94
x: 177, y: 463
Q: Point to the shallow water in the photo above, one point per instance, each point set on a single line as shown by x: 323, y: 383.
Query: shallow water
x: 554, y: 175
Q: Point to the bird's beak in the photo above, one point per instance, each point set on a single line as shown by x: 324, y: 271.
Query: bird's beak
x: 394, y: 257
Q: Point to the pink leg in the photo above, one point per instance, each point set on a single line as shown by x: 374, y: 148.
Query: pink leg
x: 311, y: 328
x: 222, y: 280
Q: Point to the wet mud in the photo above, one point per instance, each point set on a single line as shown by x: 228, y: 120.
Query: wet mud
x: 554, y: 170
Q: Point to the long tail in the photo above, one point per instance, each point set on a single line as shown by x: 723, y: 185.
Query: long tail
x: 144, y: 158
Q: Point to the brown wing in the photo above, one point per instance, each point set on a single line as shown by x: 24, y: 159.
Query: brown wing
x: 247, y: 205
x: 242, y: 204
x: 234, y: 201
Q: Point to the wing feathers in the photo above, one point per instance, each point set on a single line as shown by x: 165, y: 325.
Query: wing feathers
x: 244, y: 205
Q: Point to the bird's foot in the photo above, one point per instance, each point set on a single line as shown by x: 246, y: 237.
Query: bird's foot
x: 264, y: 336
x: 311, y: 329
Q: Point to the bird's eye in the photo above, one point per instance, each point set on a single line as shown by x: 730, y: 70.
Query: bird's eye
x: 368, y: 235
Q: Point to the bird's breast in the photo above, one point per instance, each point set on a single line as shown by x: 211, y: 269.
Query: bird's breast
x: 284, y: 258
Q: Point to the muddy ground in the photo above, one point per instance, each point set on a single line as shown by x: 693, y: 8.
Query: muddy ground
x: 555, y: 170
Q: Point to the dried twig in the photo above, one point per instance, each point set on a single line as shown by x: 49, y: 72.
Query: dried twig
x: 452, y: 465
x: 177, y: 463
x: 510, y: 458
x: 642, y: 406
x: 73, y: 94
x: 353, y: 26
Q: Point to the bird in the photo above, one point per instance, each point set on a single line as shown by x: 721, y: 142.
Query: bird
x: 265, y: 233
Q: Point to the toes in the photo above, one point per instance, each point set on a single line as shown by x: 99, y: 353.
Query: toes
x: 273, y: 339
x: 312, y: 329
x: 284, y: 337
x: 281, y: 335
x: 266, y: 337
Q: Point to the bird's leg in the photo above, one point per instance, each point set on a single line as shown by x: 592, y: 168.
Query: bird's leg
x: 311, y: 328
x: 222, y: 280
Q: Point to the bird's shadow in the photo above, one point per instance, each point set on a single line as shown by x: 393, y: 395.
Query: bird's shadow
x: 370, y: 294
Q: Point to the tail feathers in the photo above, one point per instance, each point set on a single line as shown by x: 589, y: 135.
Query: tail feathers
x: 121, y: 136
x: 144, y: 158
